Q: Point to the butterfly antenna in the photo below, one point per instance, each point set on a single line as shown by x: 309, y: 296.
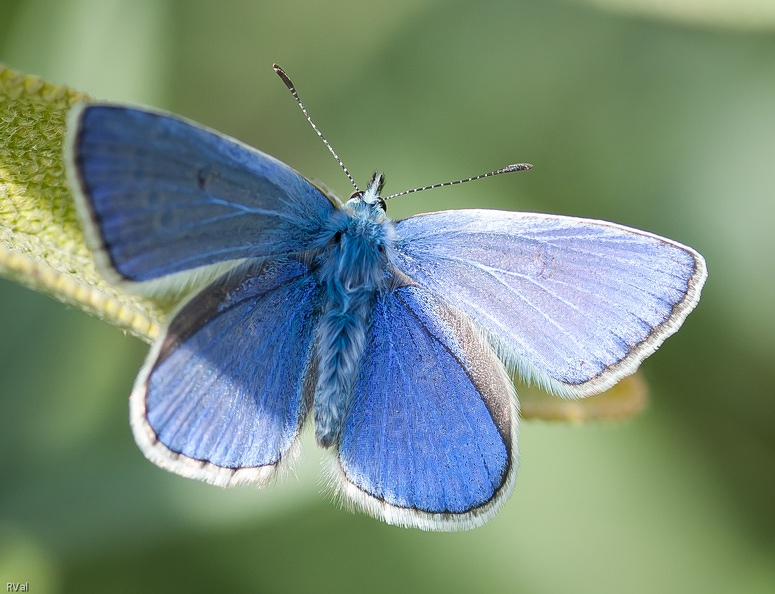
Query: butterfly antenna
x: 288, y: 83
x: 507, y: 169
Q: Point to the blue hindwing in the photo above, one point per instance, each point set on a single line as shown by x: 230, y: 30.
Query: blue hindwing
x: 429, y: 438
x: 573, y: 304
x: 165, y: 195
x: 225, y: 391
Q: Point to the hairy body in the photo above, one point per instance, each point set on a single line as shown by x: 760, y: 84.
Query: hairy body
x: 353, y: 266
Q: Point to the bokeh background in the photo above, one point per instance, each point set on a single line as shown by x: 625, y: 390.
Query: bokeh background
x: 659, y: 115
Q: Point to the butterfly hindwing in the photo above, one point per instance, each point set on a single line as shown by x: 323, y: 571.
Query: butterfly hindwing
x: 225, y: 390
x: 430, y: 436
x: 161, y: 195
x: 573, y: 304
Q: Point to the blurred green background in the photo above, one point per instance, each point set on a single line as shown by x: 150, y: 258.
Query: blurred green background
x: 659, y: 119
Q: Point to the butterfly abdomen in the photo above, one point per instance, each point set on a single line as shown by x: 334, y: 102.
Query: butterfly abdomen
x: 352, y: 269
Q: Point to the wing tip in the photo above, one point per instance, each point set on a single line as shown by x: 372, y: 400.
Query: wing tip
x: 612, y: 374
x: 641, y: 351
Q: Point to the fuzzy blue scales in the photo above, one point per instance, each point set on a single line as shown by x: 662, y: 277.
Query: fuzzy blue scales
x: 352, y: 269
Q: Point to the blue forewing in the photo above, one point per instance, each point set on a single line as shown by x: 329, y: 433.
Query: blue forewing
x: 572, y: 304
x: 165, y: 195
x: 425, y: 429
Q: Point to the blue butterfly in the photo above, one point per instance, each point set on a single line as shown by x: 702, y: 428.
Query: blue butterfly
x: 399, y: 337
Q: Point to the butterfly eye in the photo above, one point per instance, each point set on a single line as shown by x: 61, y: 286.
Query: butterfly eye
x: 382, y: 204
x: 355, y: 195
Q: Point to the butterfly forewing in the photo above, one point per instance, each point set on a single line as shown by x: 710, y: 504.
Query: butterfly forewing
x: 573, y: 304
x: 165, y: 195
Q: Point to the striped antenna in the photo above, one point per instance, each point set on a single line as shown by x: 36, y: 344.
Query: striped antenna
x: 288, y: 83
x: 507, y: 169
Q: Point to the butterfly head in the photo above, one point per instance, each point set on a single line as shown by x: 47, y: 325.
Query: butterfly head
x: 370, y: 199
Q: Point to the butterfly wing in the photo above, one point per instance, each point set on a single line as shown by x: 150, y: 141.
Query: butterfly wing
x: 166, y: 195
x: 430, y: 436
x: 573, y: 304
x: 226, y: 388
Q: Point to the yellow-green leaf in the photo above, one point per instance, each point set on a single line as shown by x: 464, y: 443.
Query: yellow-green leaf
x: 626, y: 399
x: 41, y: 241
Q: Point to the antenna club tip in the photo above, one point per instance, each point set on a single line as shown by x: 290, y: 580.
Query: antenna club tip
x: 281, y: 73
x: 517, y: 167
